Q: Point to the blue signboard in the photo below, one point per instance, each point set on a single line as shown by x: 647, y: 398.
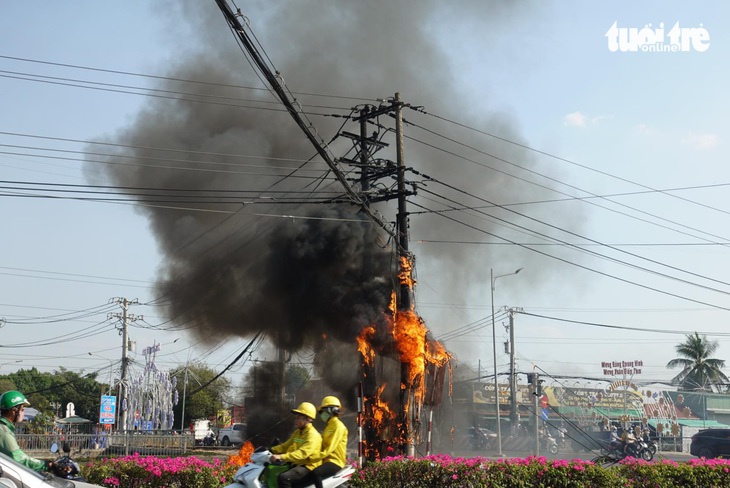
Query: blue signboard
x: 108, y: 409
x: 545, y: 413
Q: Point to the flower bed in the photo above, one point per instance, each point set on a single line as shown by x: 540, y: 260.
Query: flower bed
x: 431, y: 472
x: 147, y: 471
x: 444, y: 471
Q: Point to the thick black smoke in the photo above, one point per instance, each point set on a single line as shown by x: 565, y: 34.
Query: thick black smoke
x: 303, y: 280
x: 238, y: 266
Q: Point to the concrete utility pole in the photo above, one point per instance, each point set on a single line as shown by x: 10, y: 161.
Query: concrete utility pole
x: 537, y: 389
x: 513, y: 413
x: 404, y: 303
x: 125, y: 318
x: 493, y: 280
x: 405, y: 291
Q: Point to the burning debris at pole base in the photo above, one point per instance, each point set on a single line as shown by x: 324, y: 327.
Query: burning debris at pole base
x: 389, y: 428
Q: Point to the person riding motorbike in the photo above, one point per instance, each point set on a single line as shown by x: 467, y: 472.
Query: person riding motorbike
x: 629, y: 443
x: 614, y: 441
x: 301, y: 449
x: 334, y: 441
x: 12, y: 406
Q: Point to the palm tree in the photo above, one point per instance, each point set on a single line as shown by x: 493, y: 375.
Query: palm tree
x: 699, y: 370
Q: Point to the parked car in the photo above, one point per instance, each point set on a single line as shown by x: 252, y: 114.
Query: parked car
x: 711, y: 443
x: 15, y: 475
x: 233, y: 434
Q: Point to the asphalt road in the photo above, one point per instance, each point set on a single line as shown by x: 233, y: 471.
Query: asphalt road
x: 567, y: 455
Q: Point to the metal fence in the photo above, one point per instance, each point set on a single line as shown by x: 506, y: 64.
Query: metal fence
x: 108, y: 444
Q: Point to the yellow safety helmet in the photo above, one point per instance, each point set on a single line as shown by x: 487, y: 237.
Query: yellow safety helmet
x: 307, y: 409
x: 330, y: 401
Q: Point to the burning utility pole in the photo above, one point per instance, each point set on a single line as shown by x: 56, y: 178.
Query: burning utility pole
x: 414, y: 350
x: 405, y: 276
x: 403, y: 335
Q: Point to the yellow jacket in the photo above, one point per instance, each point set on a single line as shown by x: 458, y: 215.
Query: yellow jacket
x: 334, y: 443
x: 302, y: 448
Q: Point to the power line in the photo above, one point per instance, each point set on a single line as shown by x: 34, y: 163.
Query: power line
x: 166, y: 78
x: 621, y: 327
x: 602, y: 273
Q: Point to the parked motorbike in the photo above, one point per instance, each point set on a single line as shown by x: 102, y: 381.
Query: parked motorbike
x: 65, y: 467
x: 210, y: 439
x: 254, y: 473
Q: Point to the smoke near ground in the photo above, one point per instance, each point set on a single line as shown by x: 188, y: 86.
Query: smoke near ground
x: 250, y: 264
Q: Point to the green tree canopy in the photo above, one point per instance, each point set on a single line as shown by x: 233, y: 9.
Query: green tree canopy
x: 699, y: 370
x: 51, y: 392
x: 205, y: 403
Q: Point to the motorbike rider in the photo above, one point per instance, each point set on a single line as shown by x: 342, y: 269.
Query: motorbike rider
x: 210, y: 437
x: 334, y: 441
x: 301, y: 449
x: 614, y: 441
x: 12, y: 406
x: 628, y: 440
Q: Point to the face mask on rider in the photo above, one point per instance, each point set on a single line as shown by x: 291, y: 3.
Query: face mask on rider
x: 325, y: 416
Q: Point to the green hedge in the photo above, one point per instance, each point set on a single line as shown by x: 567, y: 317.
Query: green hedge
x: 431, y: 472
x: 444, y: 471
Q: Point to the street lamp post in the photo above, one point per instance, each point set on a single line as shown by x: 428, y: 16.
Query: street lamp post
x: 10, y: 362
x: 494, y: 356
x: 111, y: 368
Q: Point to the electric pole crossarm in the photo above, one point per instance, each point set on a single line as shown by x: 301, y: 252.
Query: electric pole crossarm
x: 369, y: 140
x: 390, y: 196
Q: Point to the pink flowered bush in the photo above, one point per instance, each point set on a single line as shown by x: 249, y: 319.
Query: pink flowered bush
x: 430, y: 472
x: 147, y: 471
x: 444, y: 471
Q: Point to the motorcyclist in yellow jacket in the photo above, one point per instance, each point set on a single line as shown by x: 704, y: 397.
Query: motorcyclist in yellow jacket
x: 334, y: 441
x: 301, y: 449
x: 12, y: 406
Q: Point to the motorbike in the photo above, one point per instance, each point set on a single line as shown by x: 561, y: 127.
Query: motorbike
x: 637, y: 449
x: 643, y: 450
x: 481, y: 438
x: 651, y: 444
x: 548, y: 443
x: 65, y: 467
x: 259, y: 473
x: 210, y: 439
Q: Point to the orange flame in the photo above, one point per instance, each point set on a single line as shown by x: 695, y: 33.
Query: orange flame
x: 363, y: 344
x: 381, y: 411
x: 243, y: 456
x: 383, y: 421
x: 405, y: 275
x: 415, y: 351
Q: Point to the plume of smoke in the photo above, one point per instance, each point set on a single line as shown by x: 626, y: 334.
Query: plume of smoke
x: 226, y: 269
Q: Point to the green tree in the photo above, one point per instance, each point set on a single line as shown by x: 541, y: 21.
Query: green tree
x: 6, y: 384
x: 699, y: 370
x: 51, y: 392
x: 202, y: 400
x: 296, y: 378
